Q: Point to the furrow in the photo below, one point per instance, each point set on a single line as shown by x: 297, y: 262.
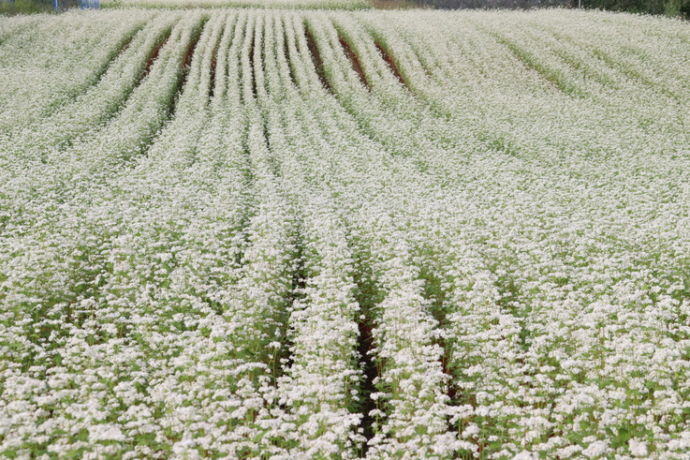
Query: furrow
x: 324, y: 385
x: 390, y: 61
x: 317, y: 62
x: 354, y: 60
x: 90, y: 111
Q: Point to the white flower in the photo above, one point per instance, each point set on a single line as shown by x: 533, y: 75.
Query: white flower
x: 105, y: 432
x: 596, y: 449
x: 637, y: 448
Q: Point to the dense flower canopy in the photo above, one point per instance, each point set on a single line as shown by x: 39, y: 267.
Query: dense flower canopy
x: 284, y: 234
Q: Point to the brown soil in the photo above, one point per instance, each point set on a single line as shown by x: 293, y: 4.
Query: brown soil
x: 352, y: 56
x: 316, y: 59
x: 154, y: 53
x: 212, y: 76
x: 391, y: 64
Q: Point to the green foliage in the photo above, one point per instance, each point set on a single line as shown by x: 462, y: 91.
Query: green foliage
x: 666, y: 7
x: 25, y: 7
x: 13, y: 7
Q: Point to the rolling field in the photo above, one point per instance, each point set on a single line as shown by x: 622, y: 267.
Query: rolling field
x: 334, y: 234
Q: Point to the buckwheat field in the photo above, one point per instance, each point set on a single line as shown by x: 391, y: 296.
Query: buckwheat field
x: 335, y: 234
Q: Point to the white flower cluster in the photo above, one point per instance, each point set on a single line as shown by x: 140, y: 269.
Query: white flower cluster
x: 283, y: 4
x: 274, y: 234
x: 74, y: 54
